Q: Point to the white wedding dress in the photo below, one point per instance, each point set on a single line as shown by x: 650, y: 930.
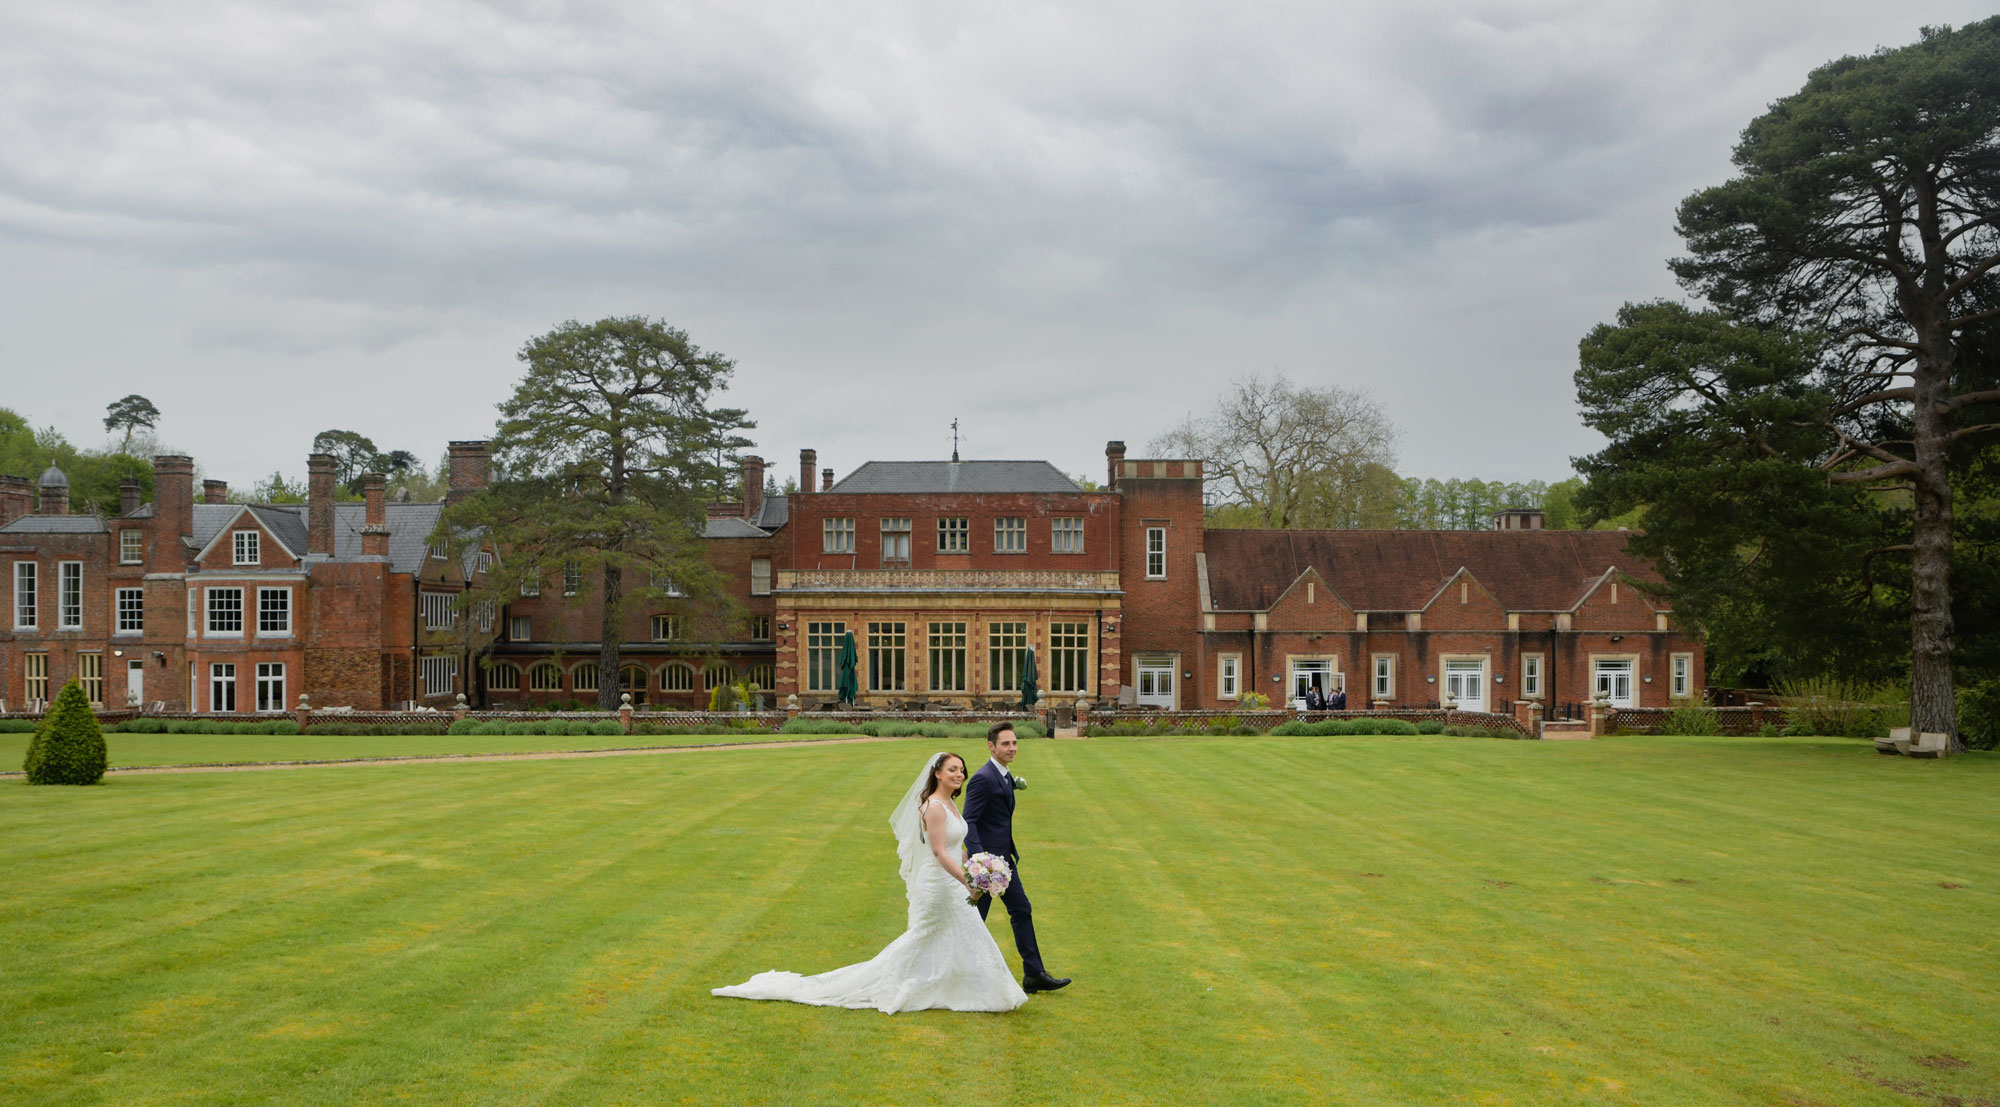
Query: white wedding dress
x: 947, y: 958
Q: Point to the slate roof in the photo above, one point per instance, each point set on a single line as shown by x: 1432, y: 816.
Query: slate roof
x: 55, y: 524
x: 1400, y: 570
x: 728, y: 527
x: 775, y: 512
x: 956, y: 476
x: 410, y: 527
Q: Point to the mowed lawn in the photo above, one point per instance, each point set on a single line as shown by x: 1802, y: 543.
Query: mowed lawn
x: 128, y: 750
x: 1319, y: 920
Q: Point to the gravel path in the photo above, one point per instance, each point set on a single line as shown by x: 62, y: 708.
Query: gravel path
x: 437, y: 758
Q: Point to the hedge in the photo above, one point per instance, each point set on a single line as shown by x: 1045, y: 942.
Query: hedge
x: 19, y: 726
x: 567, y: 727
x: 1325, y: 727
x: 906, y: 728
x: 203, y: 726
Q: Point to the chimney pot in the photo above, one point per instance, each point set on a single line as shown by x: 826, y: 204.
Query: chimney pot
x: 1114, y: 454
x: 215, y: 491
x: 131, y: 493
x: 826, y: 480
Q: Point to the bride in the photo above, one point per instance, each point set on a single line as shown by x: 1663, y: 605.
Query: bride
x: 946, y: 958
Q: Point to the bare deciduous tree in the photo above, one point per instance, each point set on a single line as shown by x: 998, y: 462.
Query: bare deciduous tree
x: 1282, y: 455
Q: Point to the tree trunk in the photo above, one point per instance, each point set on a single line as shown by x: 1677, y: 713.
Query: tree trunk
x: 608, y: 633
x: 1932, y: 708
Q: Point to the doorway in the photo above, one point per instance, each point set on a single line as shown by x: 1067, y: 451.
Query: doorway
x: 1465, y: 681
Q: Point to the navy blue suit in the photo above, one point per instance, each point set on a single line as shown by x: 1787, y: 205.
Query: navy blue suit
x: 989, y: 828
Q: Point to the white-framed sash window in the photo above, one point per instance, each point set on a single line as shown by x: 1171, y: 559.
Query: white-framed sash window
x: 131, y: 611
x: 1228, y: 676
x: 274, y: 611
x: 69, y: 595
x: 27, y: 609
x: 131, y: 546
x: 225, y: 616
x: 1156, y: 553
x: 1531, y: 676
x: 270, y: 686
x: 1682, y: 675
x: 1383, y: 668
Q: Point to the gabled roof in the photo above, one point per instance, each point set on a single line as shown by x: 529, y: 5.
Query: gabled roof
x: 289, y: 532
x: 55, y: 524
x: 1401, y: 570
x: 956, y: 476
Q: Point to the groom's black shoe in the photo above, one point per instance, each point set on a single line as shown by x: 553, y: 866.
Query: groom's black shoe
x: 1043, y: 982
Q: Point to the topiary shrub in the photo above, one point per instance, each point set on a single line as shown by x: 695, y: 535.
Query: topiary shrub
x: 464, y: 726
x: 1430, y: 726
x: 69, y: 746
x: 606, y: 729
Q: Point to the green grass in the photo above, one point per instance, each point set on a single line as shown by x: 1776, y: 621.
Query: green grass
x: 212, y: 749
x: 1364, y: 920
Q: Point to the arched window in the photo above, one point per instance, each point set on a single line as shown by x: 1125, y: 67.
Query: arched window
x: 632, y: 681
x: 545, y: 678
x: 504, y: 677
x: 677, y: 678
x: 719, y: 674
x: 583, y: 678
x: 763, y: 676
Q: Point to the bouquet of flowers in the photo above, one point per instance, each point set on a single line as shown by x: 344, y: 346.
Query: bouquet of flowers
x: 988, y: 875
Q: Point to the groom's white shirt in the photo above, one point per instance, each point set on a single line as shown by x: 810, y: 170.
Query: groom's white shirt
x: 995, y: 762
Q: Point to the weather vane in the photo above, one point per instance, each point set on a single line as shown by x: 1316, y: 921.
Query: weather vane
x: 954, y: 440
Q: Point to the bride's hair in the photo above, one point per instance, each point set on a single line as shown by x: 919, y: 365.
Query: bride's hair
x: 931, y: 784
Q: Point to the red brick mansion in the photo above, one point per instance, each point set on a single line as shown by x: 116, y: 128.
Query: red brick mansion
x: 948, y: 574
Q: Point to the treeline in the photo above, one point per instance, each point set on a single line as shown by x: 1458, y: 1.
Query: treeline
x: 94, y: 475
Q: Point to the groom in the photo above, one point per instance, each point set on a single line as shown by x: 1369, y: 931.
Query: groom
x: 989, y: 828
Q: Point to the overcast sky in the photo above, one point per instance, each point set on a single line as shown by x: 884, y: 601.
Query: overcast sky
x: 1058, y: 223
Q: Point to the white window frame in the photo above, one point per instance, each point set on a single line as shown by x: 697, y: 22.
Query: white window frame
x: 760, y: 628
x: 1482, y: 678
x: 822, y: 654
x: 1680, y: 681
x: 837, y: 535
x: 1010, y: 534
x: 531, y: 584
x: 69, y: 595
x: 760, y: 576
x: 503, y: 676
x: 131, y: 546
x: 440, y: 674
x: 128, y: 611
x: 246, y: 548
x: 208, y: 597
x: 572, y: 578
x: 1531, y: 676
x: 1007, y: 644
x: 483, y: 613
x: 1603, y: 668
x: 669, y: 628
x: 948, y: 648
x: 1382, y: 675
x: 1156, y: 553
x: 440, y: 610
x: 485, y: 561
x: 677, y: 676
x: 583, y: 676
x: 278, y: 614
x: 1066, y: 534
x: 542, y: 669
x: 668, y: 585
x: 888, y: 656
x: 519, y: 629
x: 222, y: 675
x: 271, y: 687
x: 27, y: 595
x: 1228, y: 676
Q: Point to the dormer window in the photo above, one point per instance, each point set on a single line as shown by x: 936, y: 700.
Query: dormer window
x: 248, y: 548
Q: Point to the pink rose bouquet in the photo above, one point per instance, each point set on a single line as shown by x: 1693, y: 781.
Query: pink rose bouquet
x: 988, y: 875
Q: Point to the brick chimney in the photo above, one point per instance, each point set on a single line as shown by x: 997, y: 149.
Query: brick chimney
x: 375, y: 521
x: 320, y: 470
x: 808, y: 462
x: 1114, y: 454
x: 471, y: 469
x: 753, y: 486
x: 215, y: 491
x: 131, y: 493
x: 173, y: 511
x: 17, y: 498
x: 826, y: 480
